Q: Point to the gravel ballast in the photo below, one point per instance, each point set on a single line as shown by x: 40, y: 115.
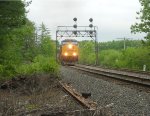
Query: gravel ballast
x: 125, y: 100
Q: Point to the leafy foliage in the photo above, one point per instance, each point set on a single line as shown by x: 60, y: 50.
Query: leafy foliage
x: 45, y: 44
x: 87, y: 54
x: 110, y: 58
x: 12, y: 15
x: 23, y: 49
x: 41, y: 64
x: 118, y: 45
x: 134, y: 57
x: 144, y: 17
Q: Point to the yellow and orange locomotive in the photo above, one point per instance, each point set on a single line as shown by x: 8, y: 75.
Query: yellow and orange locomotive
x: 69, y: 51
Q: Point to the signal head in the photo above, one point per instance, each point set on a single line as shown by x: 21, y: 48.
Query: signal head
x: 91, y: 20
x: 75, y: 26
x: 91, y: 25
x: 75, y: 19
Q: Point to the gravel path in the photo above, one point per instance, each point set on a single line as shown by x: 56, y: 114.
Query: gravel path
x: 127, y: 101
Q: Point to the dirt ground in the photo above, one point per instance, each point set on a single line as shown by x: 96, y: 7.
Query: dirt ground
x: 34, y: 95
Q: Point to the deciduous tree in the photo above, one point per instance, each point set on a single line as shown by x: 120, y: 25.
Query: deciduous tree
x: 144, y: 20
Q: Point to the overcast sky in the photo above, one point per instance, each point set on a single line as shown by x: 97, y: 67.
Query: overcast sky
x: 113, y: 17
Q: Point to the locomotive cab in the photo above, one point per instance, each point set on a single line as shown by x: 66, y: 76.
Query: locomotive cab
x: 69, y: 51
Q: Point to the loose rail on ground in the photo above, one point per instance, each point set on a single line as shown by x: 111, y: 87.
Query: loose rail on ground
x: 85, y: 102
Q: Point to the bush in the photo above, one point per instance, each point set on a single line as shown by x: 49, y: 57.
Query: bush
x: 132, y: 58
x: 1, y: 69
x: 40, y: 64
x: 6, y: 72
x: 137, y: 57
x: 110, y: 58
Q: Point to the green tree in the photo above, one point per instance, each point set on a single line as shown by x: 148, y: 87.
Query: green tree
x: 118, y: 45
x: 12, y: 15
x: 20, y: 47
x: 87, y: 54
x: 44, y: 32
x: 137, y: 57
x: 144, y: 17
x: 22, y: 51
x: 111, y: 58
x: 46, y: 45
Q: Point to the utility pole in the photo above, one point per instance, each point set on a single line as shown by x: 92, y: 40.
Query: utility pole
x: 124, y: 42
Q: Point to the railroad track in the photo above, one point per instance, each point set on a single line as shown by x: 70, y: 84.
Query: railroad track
x: 87, y: 103
x: 90, y: 107
x: 132, y: 77
x: 123, y: 69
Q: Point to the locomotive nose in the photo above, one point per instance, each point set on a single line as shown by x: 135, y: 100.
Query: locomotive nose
x: 70, y: 46
x: 74, y: 54
x: 65, y: 54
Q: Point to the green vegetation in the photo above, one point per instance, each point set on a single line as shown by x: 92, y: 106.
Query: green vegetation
x: 134, y: 57
x: 87, y: 55
x: 144, y: 21
x: 41, y: 64
x: 24, y: 49
x: 116, y: 45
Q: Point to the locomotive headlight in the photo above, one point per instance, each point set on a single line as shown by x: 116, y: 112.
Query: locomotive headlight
x: 70, y: 46
x: 65, y: 54
x: 74, y: 54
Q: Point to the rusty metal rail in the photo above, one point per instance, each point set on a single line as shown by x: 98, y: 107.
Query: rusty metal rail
x: 141, y: 79
x: 87, y: 103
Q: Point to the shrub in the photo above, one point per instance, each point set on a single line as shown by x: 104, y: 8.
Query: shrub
x: 40, y: 64
x: 1, y: 69
x: 110, y: 58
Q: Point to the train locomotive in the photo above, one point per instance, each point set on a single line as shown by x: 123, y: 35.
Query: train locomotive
x: 69, y: 52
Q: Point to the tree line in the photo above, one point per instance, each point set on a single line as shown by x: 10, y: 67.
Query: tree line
x: 24, y: 48
x: 113, y: 54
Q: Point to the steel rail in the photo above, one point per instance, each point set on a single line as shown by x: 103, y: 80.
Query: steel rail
x: 129, y: 70
x: 122, y: 69
x: 87, y: 103
x: 125, y: 77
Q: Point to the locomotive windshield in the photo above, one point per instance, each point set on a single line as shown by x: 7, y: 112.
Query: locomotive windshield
x: 69, y: 41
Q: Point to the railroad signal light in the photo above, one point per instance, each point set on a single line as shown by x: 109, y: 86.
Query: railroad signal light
x: 91, y: 32
x: 91, y: 20
x: 75, y: 32
x: 75, y: 19
x: 75, y: 25
x: 90, y: 25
